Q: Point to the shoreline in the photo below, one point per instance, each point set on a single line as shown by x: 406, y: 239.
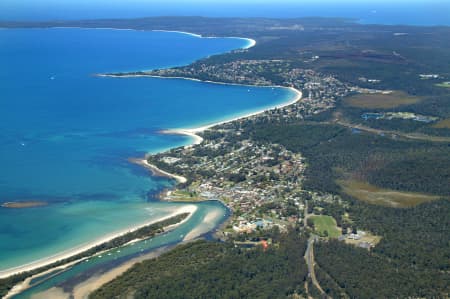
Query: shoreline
x: 251, y: 41
x: 83, y: 289
x: 79, y: 249
x: 25, y: 284
x: 156, y: 171
x: 296, y: 98
x: 191, y: 131
x: 186, y: 132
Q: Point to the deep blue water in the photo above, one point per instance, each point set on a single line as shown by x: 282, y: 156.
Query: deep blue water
x: 65, y: 135
x: 413, y: 12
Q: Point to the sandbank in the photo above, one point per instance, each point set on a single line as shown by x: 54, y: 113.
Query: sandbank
x: 79, y: 249
x: 204, y: 227
x: 157, y: 171
x: 86, y: 287
x: 24, y: 204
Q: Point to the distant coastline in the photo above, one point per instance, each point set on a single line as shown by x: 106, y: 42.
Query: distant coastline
x: 251, y: 42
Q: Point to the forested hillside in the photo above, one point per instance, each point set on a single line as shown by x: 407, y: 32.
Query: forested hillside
x: 219, y: 270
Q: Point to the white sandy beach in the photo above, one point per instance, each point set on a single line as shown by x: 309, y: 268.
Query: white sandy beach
x: 86, y: 287
x: 192, y: 131
x: 95, y: 282
x: 79, y: 249
x: 196, y: 139
x: 251, y: 42
x: 83, y: 289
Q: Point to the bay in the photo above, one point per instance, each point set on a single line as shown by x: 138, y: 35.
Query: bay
x: 66, y: 135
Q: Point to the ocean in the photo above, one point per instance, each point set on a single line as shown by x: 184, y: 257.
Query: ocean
x: 66, y: 135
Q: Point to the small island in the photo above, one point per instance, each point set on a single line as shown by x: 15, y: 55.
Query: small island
x: 24, y: 204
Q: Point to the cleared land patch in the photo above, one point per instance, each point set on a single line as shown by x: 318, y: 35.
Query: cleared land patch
x: 181, y: 195
x: 365, y: 238
x: 326, y: 226
x: 381, y: 100
x: 443, y: 124
x: 385, y: 197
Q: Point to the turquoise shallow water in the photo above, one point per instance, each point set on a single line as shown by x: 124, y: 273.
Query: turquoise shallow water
x: 65, y: 135
x: 103, y: 262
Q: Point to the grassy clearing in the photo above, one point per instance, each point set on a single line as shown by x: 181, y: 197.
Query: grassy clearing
x: 326, y: 223
x: 380, y: 101
x: 181, y: 195
x: 443, y: 84
x: 443, y: 124
x: 385, y: 197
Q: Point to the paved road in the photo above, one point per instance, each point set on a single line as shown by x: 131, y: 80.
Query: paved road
x: 414, y: 136
x: 305, y: 216
x: 309, y: 256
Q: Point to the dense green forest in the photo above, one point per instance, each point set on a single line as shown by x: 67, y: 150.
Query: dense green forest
x: 358, y: 273
x: 412, y: 258
x: 418, y: 236
x: 217, y: 270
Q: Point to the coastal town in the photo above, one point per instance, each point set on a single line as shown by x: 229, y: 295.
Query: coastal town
x: 260, y: 182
